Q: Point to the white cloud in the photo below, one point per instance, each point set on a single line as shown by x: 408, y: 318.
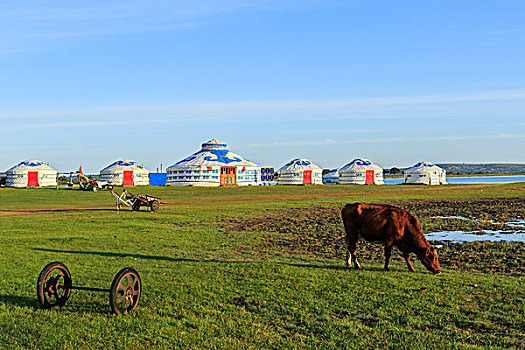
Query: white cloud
x: 385, y: 140
x: 23, y: 22
x: 59, y: 125
x: 289, y: 109
x: 505, y: 31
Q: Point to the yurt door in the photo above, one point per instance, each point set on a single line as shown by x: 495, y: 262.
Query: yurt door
x: 128, y: 178
x: 307, y: 177
x: 32, y: 178
x: 369, y: 177
x: 434, y: 179
x: 228, y: 175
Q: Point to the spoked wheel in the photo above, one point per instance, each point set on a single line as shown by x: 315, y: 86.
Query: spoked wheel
x: 154, y: 205
x: 94, y: 188
x: 54, y: 285
x: 136, y: 205
x: 125, y: 290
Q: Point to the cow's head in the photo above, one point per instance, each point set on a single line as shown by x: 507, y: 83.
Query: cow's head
x: 430, y: 260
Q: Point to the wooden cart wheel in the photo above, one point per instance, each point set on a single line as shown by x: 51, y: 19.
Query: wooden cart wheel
x: 125, y: 290
x: 154, y: 205
x: 136, y: 205
x: 54, y: 285
x: 94, y: 188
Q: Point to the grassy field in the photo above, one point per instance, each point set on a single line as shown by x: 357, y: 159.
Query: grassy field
x: 208, y: 284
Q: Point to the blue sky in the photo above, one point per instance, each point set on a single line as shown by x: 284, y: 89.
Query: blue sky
x: 393, y: 81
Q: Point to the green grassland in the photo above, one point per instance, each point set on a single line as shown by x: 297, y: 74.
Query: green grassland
x: 207, y: 285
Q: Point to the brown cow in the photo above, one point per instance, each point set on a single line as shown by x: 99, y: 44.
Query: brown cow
x: 389, y: 225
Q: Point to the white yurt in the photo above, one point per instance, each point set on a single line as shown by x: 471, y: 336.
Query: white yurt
x: 361, y: 172
x: 425, y: 173
x: 214, y: 165
x: 31, y: 173
x: 299, y: 172
x: 125, y: 173
x: 331, y: 178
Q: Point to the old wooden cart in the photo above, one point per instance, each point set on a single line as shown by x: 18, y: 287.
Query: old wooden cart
x: 135, y: 201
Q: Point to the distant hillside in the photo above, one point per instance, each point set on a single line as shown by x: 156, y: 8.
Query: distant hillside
x: 482, y: 168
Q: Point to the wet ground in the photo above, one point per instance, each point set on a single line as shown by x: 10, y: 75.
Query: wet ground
x: 318, y: 232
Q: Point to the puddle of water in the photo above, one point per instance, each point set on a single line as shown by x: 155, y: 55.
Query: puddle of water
x: 518, y: 223
x: 463, y: 236
x: 451, y: 217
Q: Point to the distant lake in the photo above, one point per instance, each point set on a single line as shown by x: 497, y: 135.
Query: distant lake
x: 467, y: 180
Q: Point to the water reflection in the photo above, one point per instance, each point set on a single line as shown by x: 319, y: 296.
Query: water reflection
x: 488, y: 235
x: 517, y: 223
x: 472, y: 236
x: 466, y: 180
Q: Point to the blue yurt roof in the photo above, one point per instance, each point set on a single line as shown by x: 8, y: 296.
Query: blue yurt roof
x: 214, y: 153
x: 124, y: 164
x: 360, y: 164
x: 299, y: 164
x: 425, y: 164
x: 32, y: 164
x: 424, y: 167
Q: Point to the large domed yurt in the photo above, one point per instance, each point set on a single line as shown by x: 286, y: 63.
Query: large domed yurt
x: 125, y: 173
x: 331, y: 178
x: 425, y: 173
x: 361, y: 172
x: 31, y: 173
x: 299, y: 172
x: 214, y: 165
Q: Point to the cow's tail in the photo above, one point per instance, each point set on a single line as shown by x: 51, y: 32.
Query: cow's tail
x: 349, y: 214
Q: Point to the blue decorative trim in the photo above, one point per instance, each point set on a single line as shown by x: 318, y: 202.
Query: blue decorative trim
x: 211, y: 144
x: 361, y: 162
x: 121, y: 163
x: 219, y: 156
x: 299, y: 162
x: 28, y: 163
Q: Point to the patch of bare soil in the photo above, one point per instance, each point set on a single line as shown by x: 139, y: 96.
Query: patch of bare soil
x: 496, y: 209
x: 318, y: 232
x: 9, y: 212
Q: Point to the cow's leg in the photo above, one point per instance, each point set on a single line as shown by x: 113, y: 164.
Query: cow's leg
x: 409, y: 264
x: 351, y: 257
x: 354, y: 260
x: 388, y: 253
x: 351, y: 243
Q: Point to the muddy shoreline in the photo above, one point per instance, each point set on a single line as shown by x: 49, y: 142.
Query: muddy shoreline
x: 318, y: 232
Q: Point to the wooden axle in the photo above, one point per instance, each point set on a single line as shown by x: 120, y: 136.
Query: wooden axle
x: 91, y: 289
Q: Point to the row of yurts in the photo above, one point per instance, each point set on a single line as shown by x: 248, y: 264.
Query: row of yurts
x: 215, y: 165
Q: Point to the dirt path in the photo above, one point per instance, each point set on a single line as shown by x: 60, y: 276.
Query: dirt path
x: 10, y: 212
